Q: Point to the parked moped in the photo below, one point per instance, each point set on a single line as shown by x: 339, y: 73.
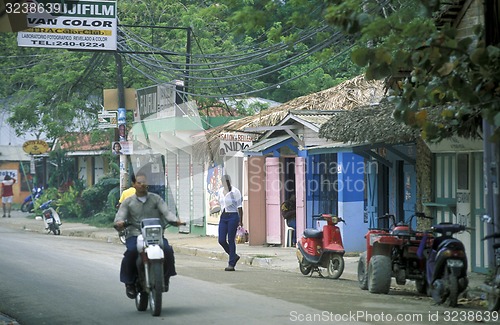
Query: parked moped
x: 50, y: 218
x: 28, y: 204
x: 324, y: 248
x: 447, y: 265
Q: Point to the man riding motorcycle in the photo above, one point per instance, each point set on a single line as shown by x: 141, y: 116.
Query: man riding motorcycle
x: 139, y: 206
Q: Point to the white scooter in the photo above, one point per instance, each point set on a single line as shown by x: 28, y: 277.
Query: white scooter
x: 50, y: 218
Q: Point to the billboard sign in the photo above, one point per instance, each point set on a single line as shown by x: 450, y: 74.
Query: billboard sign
x: 82, y: 25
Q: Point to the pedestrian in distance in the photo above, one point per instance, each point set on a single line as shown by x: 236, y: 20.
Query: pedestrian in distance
x: 7, y: 194
x: 128, y: 192
x: 289, y: 214
x: 134, y: 209
x: 230, y: 201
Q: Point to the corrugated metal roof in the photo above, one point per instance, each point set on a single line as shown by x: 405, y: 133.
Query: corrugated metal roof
x: 265, y: 144
x: 316, y: 118
x: 13, y: 153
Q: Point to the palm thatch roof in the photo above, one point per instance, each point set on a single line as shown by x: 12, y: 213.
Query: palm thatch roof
x: 368, y: 124
x: 345, y: 96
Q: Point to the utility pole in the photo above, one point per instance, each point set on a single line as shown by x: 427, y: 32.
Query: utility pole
x: 121, y: 109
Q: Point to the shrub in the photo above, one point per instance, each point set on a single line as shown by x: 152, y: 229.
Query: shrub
x: 104, y: 194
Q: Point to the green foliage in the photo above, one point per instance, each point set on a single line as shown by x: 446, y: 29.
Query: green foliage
x: 68, y: 204
x: 428, y: 67
x: 104, y: 194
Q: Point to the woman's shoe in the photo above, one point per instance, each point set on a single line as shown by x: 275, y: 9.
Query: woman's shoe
x: 229, y: 268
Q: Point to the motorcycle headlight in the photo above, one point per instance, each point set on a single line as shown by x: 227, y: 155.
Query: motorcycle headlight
x: 153, y: 235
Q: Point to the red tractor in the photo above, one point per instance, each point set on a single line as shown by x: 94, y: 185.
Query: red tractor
x: 392, y: 253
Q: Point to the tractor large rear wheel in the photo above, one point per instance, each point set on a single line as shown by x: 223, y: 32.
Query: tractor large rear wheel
x: 363, y: 272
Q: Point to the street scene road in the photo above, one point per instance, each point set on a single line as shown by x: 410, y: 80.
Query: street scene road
x: 47, y: 279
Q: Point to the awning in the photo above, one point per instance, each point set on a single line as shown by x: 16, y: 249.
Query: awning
x: 268, y: 145
x: 456, y: 144
x: 364, y: 150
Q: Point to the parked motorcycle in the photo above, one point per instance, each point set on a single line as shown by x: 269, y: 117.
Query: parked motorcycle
x: 492, y: 287
x: 447, y: 265
x: 28, y: 204
x: 150, y: 264
x: 322, y: 248
x: 51, y: 218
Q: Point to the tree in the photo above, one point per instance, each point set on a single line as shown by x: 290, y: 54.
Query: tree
x: 51, y: 91
x: 427, y: 65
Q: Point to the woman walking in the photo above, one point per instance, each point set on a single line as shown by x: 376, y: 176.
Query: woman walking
x: 232, y: 216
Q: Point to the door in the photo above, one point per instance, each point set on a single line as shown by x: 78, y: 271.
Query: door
x: 410, y: 193
x: 273, y: 216
x: 300, y: 195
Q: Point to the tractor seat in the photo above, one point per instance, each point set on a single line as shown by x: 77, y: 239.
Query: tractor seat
x: 313, y: 233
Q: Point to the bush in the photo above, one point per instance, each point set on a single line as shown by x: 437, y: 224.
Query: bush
x: 68, y: 204
x: 103, y: 195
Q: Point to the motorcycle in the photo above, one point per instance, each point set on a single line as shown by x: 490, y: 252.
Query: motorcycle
x: 446, y: 265
x: 492, y: 287
x: 322, y: 248
x: 51, y: 218
x: 28, y: 203
x: 150, y: 265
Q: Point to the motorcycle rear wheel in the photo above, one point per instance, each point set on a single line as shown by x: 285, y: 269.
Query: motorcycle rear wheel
x: 335, y: 266
x: 55, y: 230
x: 156, y: 290
x: 452, y: 300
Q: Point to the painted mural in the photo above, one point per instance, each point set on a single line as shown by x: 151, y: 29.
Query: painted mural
x: 213, y: 184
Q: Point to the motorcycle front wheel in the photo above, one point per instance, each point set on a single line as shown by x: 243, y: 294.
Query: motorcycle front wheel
x: 25, y: 207
x: 335, y: 266
x: 305, y: 269
x: 156, y: 290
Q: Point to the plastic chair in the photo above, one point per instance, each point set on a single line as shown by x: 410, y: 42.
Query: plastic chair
x: 289, y: 232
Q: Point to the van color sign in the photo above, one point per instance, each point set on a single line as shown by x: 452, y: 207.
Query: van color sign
x: 84, y: 24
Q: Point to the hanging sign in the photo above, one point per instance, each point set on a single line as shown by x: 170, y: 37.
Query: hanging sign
x: 35, y: 147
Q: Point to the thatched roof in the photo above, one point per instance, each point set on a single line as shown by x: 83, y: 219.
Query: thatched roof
x: 368, y: 124
x: 345, y: 96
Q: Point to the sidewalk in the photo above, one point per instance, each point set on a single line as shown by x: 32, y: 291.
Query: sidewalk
x: 278, y: 258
